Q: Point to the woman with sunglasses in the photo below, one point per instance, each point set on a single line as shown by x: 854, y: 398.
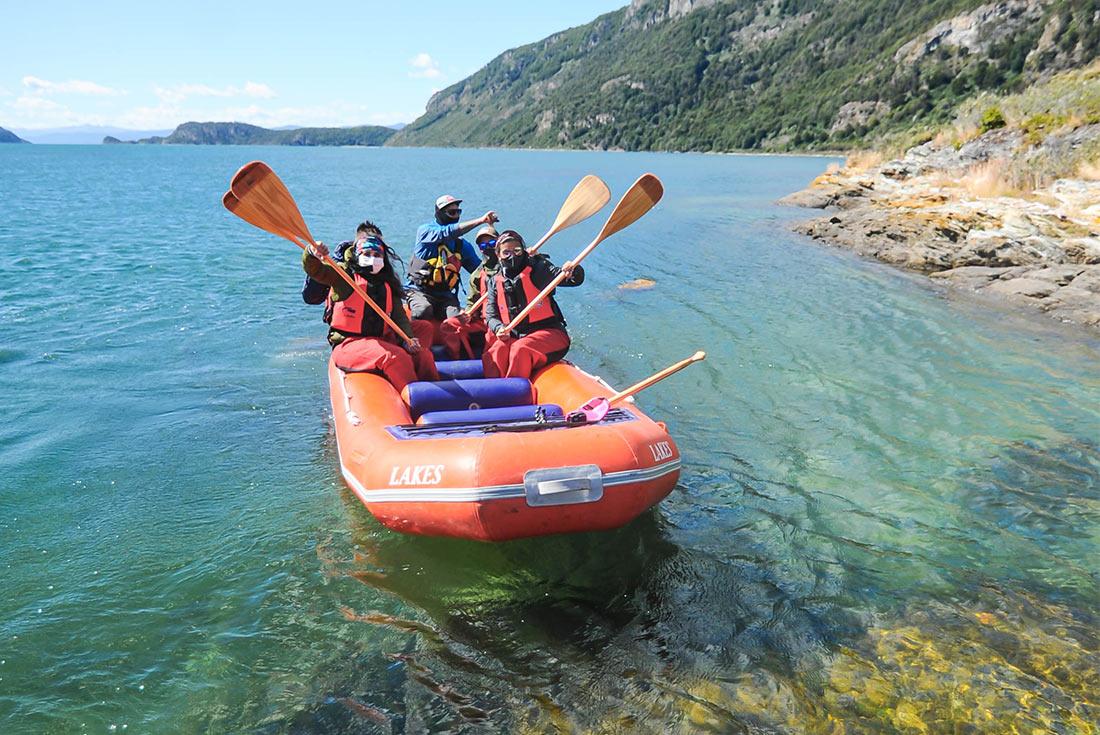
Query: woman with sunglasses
x: 467, y: 332
x: 361, y: 341
x: 540, y: 338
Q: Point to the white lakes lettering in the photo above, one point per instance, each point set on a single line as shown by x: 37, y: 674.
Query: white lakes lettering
x: 420, y: 474
x: 661, y: 450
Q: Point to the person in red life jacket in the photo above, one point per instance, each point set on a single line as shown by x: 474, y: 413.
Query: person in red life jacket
x: 466, y: 333
x: 361, y: 341
x: 541, y: 337
x: 315, y: 292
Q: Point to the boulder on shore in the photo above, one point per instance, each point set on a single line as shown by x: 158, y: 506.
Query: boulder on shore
x: 917, y: 212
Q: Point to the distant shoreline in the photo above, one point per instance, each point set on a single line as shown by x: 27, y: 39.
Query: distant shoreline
x: 745, y: 153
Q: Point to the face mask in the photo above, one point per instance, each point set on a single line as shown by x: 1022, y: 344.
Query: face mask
x: 443, y: 218
x: 370, y: 263
x: 512, y: 264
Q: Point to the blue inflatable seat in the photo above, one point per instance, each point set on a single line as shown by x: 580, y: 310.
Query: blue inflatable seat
x: 460, y: 369
x: 465, y: 394
x: 489, y: 415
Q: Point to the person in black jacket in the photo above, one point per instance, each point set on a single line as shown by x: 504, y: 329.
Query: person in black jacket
x: 541, y: 337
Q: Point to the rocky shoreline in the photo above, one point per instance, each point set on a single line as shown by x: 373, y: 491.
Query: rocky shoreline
x: 941, y: 210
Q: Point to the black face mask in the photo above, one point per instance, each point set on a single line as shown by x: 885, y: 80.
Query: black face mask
x: 513, y: 264
x: 442, y: 218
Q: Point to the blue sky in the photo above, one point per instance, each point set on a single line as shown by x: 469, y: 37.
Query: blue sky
x: 148, y: 65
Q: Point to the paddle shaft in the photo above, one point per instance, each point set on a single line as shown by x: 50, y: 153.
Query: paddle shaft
x: 273, y: 209
x: 264, y: 221
x: 588, y: 197
x: 363, y: 295
x: 551, y: 286
x: 655, y: 378
x: 534, y: 249
x: 642, y: 195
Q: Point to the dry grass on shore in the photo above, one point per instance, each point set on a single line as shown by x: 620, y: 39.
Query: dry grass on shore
x: 1089, y: 170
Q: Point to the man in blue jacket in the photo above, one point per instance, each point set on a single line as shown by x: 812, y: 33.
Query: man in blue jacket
x: 439, y: 256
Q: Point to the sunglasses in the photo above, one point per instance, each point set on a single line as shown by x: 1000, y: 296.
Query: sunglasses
x: 487, y: 244
x: 453, y: 210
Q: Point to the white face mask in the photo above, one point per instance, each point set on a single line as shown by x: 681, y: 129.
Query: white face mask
x: 372, y: 263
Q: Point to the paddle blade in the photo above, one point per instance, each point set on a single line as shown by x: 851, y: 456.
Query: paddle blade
x: 257, y: 184
x: 588, y: 197
x: 256, y: 217
x: 246, y: 212
x: 642, y: 195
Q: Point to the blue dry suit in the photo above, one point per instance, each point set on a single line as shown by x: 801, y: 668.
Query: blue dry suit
x: 429, y: 237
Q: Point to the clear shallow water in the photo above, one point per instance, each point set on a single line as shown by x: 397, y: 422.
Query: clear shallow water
x: 889, y: 515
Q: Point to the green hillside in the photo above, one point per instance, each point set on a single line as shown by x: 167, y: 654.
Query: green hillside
x: 743, y: 74
x: 232, y: 133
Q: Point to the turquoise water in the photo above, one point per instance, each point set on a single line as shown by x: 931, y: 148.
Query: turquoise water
x: 888, y: 519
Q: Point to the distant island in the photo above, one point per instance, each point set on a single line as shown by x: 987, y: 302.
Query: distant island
x: 234, y: 133
x: 6, y: 136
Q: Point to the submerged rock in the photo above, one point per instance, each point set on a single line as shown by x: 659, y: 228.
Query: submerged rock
x: 638, y: 284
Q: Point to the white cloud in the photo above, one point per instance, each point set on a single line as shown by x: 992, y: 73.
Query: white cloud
x: 34, y: 111
x: 180, y: 92
x: 424, y: 67
x: 73, y: 86
x: 36, y: 105
x: 31, y: 111
x: 253, y: 89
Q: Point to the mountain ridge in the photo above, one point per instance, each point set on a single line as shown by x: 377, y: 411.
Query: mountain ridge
x: 235, y: 133
x: 724, y: 75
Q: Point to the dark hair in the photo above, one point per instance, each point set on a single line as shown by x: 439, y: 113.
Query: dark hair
x: 368, y: 226
x: 389, y: 258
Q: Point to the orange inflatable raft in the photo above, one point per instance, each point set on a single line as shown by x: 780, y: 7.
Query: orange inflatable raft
x: 493, y: 460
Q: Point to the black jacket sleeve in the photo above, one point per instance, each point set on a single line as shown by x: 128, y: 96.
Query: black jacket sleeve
x: 543, y: 271
x: 492, y: 311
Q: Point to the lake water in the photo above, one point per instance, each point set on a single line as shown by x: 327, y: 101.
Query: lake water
x: 888, y: 518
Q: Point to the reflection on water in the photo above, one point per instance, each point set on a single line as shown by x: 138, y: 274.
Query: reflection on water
x: 631, y: 632
x: 888, y: 518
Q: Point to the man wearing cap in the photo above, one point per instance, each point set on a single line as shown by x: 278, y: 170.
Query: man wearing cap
x: 459, y: 331
x: 540, y: 338
x: 439, y: 256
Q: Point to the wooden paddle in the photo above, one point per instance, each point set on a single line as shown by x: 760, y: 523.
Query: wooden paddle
x: 642, y: 195
x: 597, y: 408
x: 588, y: 197
x: 259, y: 197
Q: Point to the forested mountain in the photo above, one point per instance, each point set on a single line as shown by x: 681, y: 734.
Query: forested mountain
x: 745, y: 74
x: 232, y: 133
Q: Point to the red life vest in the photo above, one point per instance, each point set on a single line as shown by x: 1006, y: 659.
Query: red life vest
x: 543, y: 311
x: 351, y: 315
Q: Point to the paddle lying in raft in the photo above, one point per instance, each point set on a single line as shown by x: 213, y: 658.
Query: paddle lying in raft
x: 597, y: 408
x: 259, y: 197
x: 588, y: 197
x: 638, y: 199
